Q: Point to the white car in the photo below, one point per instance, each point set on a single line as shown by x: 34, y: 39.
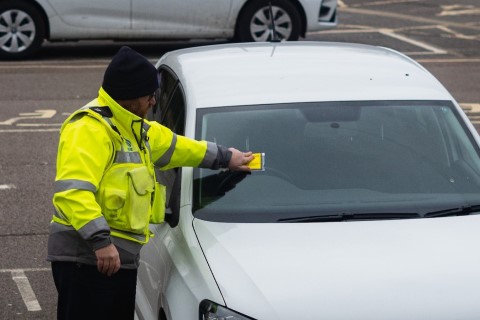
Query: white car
x: 24, y: 24
x: 365, y: 205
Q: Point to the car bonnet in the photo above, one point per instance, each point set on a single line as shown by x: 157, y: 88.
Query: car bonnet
x: 401, y: 269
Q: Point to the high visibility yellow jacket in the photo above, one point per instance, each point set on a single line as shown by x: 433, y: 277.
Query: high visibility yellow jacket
x: 105, y: 187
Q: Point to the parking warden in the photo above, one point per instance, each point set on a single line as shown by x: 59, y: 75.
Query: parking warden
x: 106, y: 193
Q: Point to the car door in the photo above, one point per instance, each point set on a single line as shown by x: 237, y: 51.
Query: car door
x: 99, y: 16
x: 181, y: 18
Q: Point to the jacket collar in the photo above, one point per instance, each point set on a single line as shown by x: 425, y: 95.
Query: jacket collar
x: 120, y: 114
x: 126, y: 120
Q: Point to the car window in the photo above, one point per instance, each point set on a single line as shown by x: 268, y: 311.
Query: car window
x: 339, y: 157
x: 173, y: 114
x: 170, y: 112
x: 164, y: 109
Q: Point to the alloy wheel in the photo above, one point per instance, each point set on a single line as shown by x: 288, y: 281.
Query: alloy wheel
x: 261, y: 25
x: 17, y: 31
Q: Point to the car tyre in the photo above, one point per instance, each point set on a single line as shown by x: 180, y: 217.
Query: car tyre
x: 22, y: 29
x: 254, y: 23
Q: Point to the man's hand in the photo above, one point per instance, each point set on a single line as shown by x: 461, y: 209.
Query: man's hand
x: 108, y: 260
x: 239, y: 160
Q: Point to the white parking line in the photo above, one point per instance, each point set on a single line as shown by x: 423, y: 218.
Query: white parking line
x: 39, y: 124
x: 24, y: 270
x: 473, y: 114
x: 472, y: 110
x: 28, y: 130
x: 423, y: 45
x: 458, y: 9
x: 24, y: 287
x: 448, y: 60
x: 26, y: 290
x: 59, y: 64
x: 458, y: 35
x: 379, y: 3
x: 393, y: 15
x: 341, y: 4
x: 36, y: 66
x: 389, y: 33
x: 7, y: 186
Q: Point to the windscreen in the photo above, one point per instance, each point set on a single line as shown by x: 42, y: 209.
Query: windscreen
x: 324, y: 158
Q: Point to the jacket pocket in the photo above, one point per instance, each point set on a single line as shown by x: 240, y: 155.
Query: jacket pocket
x: 158, y: 207
x: 126, y: 199
x: 114, y: 201
x: 139, y: 199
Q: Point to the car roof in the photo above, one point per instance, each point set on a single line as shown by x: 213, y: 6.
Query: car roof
x: 284, y: 72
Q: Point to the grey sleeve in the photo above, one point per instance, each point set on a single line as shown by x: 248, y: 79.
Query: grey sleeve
x: 97, y: 233
x: 216, y: 157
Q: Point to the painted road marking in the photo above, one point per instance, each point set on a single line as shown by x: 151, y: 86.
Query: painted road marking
x: 45, y: 66
x: 442, y: 60
x: 458, y: 9
x: 457, y: 35
x: 24, y: 287
x: 400, y: 16
x: 392, y: 34
x: 381, y: 3
x: 28, y: 130
x: 448, y: 10
x: 24, y: 269
x: 26, y: 290
x: 472, y: 110
x: 61, y: 64
x: 39, y: 124
x: 471, y: 107
x: 38, y: 114
x: 7, y: 186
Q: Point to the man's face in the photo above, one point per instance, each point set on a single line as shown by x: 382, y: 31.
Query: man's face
x: 145, y: 104
x: 140, y: 105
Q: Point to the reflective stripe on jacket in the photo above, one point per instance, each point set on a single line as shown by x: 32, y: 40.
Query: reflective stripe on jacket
x: 105, y: 184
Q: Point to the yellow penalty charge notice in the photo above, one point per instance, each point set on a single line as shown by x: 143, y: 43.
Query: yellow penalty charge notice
x: 258, y: 163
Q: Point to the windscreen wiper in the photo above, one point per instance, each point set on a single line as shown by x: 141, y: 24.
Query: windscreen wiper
x: 458, y: 211
x: 352, y: 216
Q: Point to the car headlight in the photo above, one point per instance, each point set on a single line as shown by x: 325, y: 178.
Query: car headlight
x: 212, y: 311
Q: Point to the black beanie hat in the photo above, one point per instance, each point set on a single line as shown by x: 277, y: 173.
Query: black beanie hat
x: 129, y: 76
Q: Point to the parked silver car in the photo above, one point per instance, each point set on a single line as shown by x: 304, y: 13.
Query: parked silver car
x: 25, y: 24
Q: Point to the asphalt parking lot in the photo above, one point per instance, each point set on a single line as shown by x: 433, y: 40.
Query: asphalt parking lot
x: 37, y: 95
